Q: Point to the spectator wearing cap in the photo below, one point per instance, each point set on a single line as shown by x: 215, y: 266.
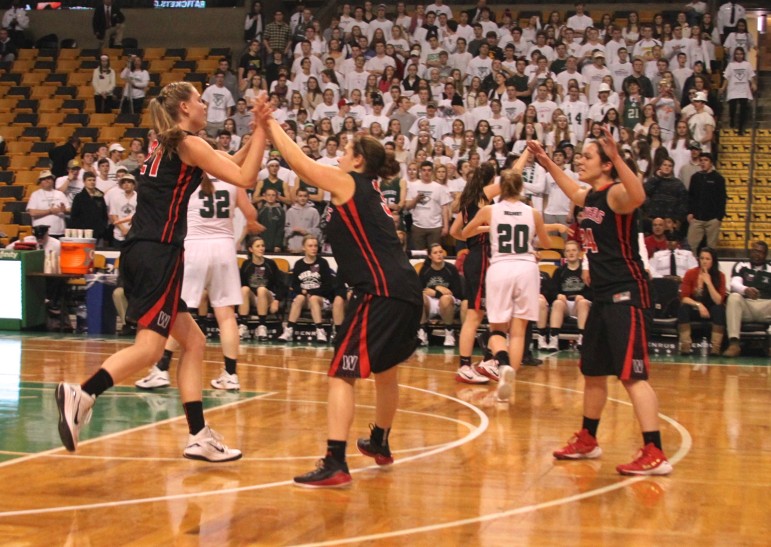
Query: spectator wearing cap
x: 103, y: 82
x: 693, y: 165
x: 706, y: 204
x: 702, y: 124
x: 89, y: 209
x: 376, y: 115
x: 48, y: 206
x: 115, y: 155
x: 593, y: 75
x: 61, y: 155
x: 72, y: 183
x: 121, y: 206
x: 380, y: 22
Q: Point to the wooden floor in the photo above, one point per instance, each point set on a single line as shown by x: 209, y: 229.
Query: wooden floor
x: 468, y: 471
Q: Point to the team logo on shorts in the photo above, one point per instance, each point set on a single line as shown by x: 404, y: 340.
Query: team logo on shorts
x: 638, y: 366
x: 350, y: 362
x: 163, y: 319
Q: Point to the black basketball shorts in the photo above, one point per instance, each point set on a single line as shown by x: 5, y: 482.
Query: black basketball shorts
x: 474, y: 272
x: 616, y: 341
x: 152, y: 275
x: 377, y: 334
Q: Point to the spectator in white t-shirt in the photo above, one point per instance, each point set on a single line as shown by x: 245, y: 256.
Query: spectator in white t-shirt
x: 47, y: 206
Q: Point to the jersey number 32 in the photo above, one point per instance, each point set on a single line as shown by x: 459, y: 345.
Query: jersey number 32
x: 216, y: 204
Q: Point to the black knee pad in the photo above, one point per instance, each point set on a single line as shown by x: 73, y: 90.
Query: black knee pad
x: 497, y: 333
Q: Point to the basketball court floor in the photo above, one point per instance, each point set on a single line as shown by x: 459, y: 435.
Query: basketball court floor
x: 468, y: 470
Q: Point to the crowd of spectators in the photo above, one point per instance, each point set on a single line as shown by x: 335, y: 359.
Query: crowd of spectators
x: 447, y: 91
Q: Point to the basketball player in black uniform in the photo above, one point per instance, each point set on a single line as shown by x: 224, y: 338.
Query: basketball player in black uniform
x: 381, y: 323
x: 152, y: 267
x: 616, y: 336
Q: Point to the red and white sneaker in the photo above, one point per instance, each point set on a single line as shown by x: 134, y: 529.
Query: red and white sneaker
x: 467, y: 375
x: 582, y: 446
x: 488, y: 368
x: 649, y: 461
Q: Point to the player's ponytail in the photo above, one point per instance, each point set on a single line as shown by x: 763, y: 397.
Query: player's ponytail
x: 164, y: 113
x: 511, y: 184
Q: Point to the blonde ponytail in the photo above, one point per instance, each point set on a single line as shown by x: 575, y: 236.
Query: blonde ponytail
x: 164, y: 113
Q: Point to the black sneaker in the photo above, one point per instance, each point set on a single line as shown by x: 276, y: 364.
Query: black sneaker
x: 329, y: 473
x: 381, y: 453
x: 531, y: 361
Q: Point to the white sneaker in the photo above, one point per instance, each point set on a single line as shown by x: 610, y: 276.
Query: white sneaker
x: 554, y: 343
x: 423, y: 337
x: 243, y: 332
x: 261, y: 333
x: 505, y: 383
x: 157, y: 378
x: 449, y: 338
x: 580, y: 341
x: 543, y: 344
x: 74, y: 410
x: 286, y: 336
x: 321, y: 335
x: 226, y: 381
x: 488, y: 368
x: 467, y: 375
x: 207, y: 446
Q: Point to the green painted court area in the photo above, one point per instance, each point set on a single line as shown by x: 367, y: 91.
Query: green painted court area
x: 28, y: 414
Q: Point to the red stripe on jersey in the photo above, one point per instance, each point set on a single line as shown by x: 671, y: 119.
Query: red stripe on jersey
x: 356, y: 236
x: 364, y: 366
x: 176, y: 202
x: 624, y: 234
x: 153, y: 312
x: 626, y: 371
x: 357, y: 219
x: 344, y: 345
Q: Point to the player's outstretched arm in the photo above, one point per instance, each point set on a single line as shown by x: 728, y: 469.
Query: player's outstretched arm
x: 630, y: 195
x: 572, y: 190
x: 325, y: 177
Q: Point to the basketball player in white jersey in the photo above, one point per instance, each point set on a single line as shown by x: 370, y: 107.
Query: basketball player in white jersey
x: 513, y: 280
x: 211, y: 272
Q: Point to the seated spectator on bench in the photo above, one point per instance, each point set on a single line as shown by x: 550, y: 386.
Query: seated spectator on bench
x: 442, y: 294
x: 673, y: 262
x: 312, y: 283
x: 750, y: 298
x: 572, y: 297
x: 702, y: 297
x: 260, y: 287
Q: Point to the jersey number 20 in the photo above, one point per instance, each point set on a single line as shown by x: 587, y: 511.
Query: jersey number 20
x: 513, y: 237
x: 216, y: 205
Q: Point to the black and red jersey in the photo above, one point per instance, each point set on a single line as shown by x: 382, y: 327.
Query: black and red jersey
x: 611, y: 243
x: 363, y: 237
x: 164, y: 187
